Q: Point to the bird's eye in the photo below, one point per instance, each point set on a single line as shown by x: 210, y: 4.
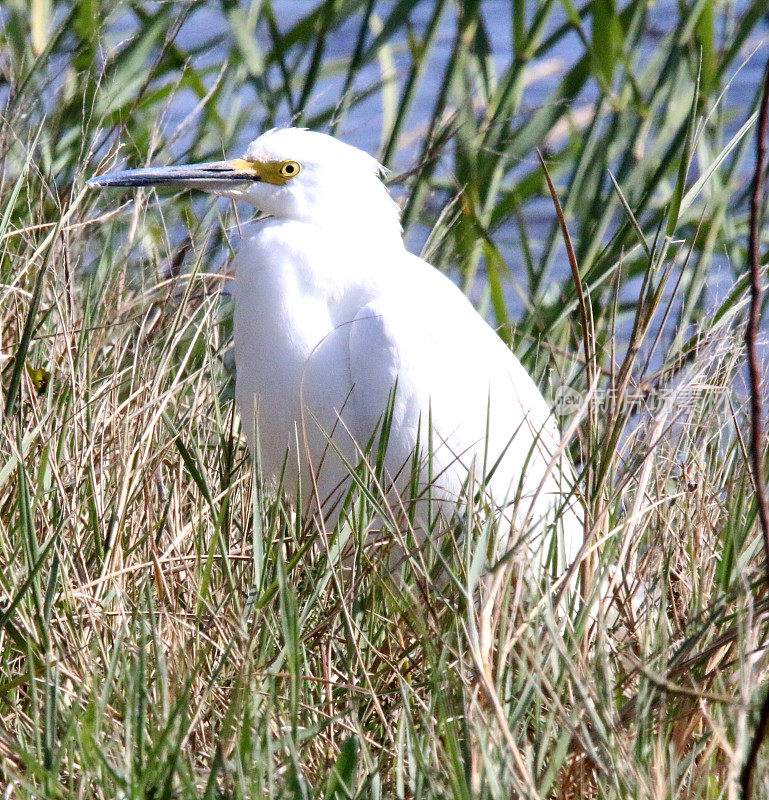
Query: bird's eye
x: 289, y: 168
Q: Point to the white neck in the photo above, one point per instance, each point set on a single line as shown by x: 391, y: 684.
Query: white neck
x: 366, y: 212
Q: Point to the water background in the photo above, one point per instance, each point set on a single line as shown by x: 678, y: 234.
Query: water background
x: 208, y: 29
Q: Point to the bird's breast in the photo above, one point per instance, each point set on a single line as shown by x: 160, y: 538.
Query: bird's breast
x: 291, y: 344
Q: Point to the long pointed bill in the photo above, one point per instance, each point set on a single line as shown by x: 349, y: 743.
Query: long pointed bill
x: 213, y: 176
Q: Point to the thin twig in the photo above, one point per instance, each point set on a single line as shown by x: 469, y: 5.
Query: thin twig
x: 585, y: 312
x: 587, y: 566
x: 756, y: 423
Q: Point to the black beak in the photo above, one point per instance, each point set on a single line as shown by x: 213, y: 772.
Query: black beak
x: 212, y: 176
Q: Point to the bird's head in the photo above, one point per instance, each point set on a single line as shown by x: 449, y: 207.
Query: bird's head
x: 289, y: 173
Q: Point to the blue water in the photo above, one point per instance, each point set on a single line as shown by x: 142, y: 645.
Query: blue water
x: 207, y: 27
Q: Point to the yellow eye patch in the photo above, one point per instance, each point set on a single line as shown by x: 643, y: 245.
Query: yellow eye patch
x: 277, y: 173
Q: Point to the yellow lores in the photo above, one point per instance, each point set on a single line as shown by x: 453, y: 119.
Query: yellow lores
x: 277, y: 173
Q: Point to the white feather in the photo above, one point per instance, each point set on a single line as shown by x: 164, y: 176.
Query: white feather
x: 331, y: 312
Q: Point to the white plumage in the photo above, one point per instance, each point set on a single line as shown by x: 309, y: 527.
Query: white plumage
x: 334, y: 318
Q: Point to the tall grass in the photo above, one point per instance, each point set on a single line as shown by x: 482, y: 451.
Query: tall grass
x: 171, y: 628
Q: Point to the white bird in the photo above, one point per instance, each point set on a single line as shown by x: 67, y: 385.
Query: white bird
x: 338, y: 326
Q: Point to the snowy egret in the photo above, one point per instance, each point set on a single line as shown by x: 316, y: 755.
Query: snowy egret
x: 339, y: 328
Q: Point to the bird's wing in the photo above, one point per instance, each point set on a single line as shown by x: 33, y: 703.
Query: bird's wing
x: 385, y: 356
x: 465, y: 399
x: 452, y: 369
